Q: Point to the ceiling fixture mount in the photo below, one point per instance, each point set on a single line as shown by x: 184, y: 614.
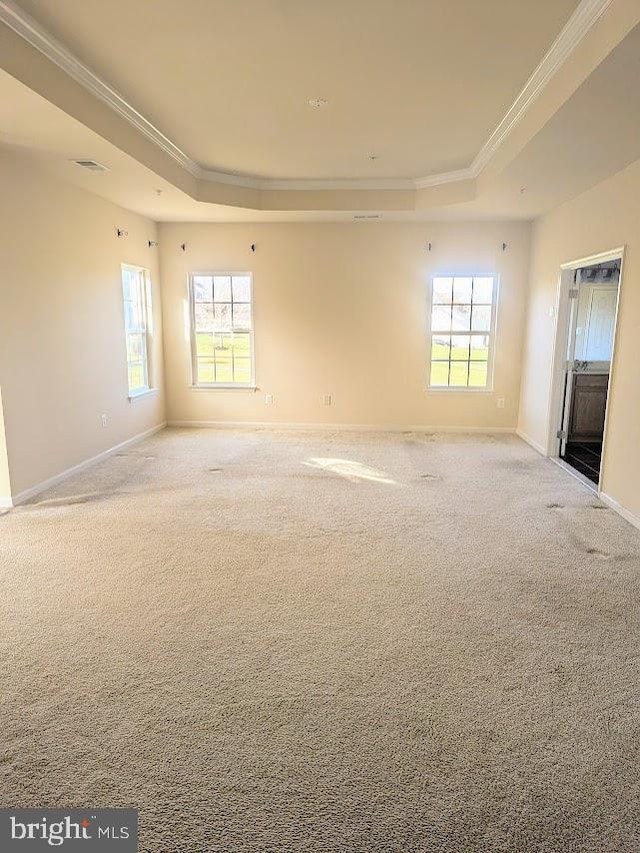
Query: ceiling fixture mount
x: 317, y: 102
x: 373, y: 156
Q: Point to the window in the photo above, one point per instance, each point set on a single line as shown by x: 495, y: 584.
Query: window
x: 136, y: 290
x: 462, y: 330
x: 222, y: 330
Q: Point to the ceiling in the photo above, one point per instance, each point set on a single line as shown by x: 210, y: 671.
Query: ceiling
x: 495, y: 132
x: 228, y: 81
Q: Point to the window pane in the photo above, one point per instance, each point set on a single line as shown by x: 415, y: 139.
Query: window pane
x: 203, y: 288
x: 462, y: 289
x: 481, y: 318
x: 222, y: 288
x: 206, y: 370
x: 242, y: 370
x: 204, y: 317
x: 442, y: 290
x: 241, y: 288
x: 241, y: 316
x: 127, y: 285
x: 441, y: 318
x: 459, y: 374
x: 460, y: 347
x: 478, y: 374
x: 440, y: 347
x: 136, y: 376
x: 479, y: 347
x: 483, y: 290
x: 222, y: 317
x: 224, y: 370
x: 130, y: 318
x: 461, y: 318
x: 439, y: 373
x: 135, y: 347
x: 204, y: 345
x: 224, y: 341
x: 242, y: 345
x: 222, y: 328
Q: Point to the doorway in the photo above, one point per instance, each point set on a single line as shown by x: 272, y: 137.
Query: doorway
x: 587, y: 315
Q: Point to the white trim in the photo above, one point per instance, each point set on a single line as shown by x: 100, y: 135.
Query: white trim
x: 6, y: 503
x: 148, y: 392
x: 599, y: 258
x: 576, y: 28
x: 531, y: 442
x: 441, y: 178
x: 561, y: 336
x: 313, y: 427
x: 223, y: 386
x: 27, y: 494
x: 37, y: 36
x: 621, y: 510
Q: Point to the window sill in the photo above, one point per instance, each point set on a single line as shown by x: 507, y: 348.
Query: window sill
x: 460, y: 390
x: 223, y: 387
x: 137, y: 395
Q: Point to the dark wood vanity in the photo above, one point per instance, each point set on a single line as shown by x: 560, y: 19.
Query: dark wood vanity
x: 589, y: 401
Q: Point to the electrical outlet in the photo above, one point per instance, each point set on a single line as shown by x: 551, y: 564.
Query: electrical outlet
x: 500, y: 402
x: 326, y: 400
x: 103, y: 420
x: 268, y: 399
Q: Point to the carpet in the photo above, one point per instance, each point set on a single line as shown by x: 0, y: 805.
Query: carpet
x: 304, y: 641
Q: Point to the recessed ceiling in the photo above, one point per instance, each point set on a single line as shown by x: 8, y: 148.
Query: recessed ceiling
x: 419, y: 84
x: 591, y: 136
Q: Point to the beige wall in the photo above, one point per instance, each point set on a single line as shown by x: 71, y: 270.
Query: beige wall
x: 62, y: 348
x: 604, y: 218
x: 341, y: 310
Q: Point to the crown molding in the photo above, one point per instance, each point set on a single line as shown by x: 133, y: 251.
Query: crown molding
x: 584, y: 17
x: 30, y: 30
x: 576, y: 28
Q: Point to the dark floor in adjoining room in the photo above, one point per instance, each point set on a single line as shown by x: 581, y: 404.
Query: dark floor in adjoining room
x: 585, y: 458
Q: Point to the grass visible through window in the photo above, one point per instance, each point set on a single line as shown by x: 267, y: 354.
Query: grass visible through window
x: 222, y: 328
x: 461, y: 331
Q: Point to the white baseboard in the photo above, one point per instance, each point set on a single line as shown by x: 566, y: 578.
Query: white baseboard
x: 531, y: 442
x: 27, y: 494
x: 342, y: 427
x: 628, y: 516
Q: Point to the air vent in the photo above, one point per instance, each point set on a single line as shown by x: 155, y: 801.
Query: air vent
x: 92, y: 165
x: 368, y: 216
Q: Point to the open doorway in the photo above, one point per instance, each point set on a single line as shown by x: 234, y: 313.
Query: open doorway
x: 587, y: 314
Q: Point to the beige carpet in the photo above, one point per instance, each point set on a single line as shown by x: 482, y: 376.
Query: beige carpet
x: 276, y: 641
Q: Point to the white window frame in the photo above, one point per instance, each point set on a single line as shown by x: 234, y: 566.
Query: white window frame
x: 146, y: 331
x: 251, y: 384
x: 462, y: 389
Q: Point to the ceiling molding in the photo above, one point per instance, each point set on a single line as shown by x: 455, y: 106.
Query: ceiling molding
x: 444, y: 178
x: 30, y: 30
x: 576, y: 28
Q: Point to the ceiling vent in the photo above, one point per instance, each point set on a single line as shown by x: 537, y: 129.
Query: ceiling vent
x: 92, y: 165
